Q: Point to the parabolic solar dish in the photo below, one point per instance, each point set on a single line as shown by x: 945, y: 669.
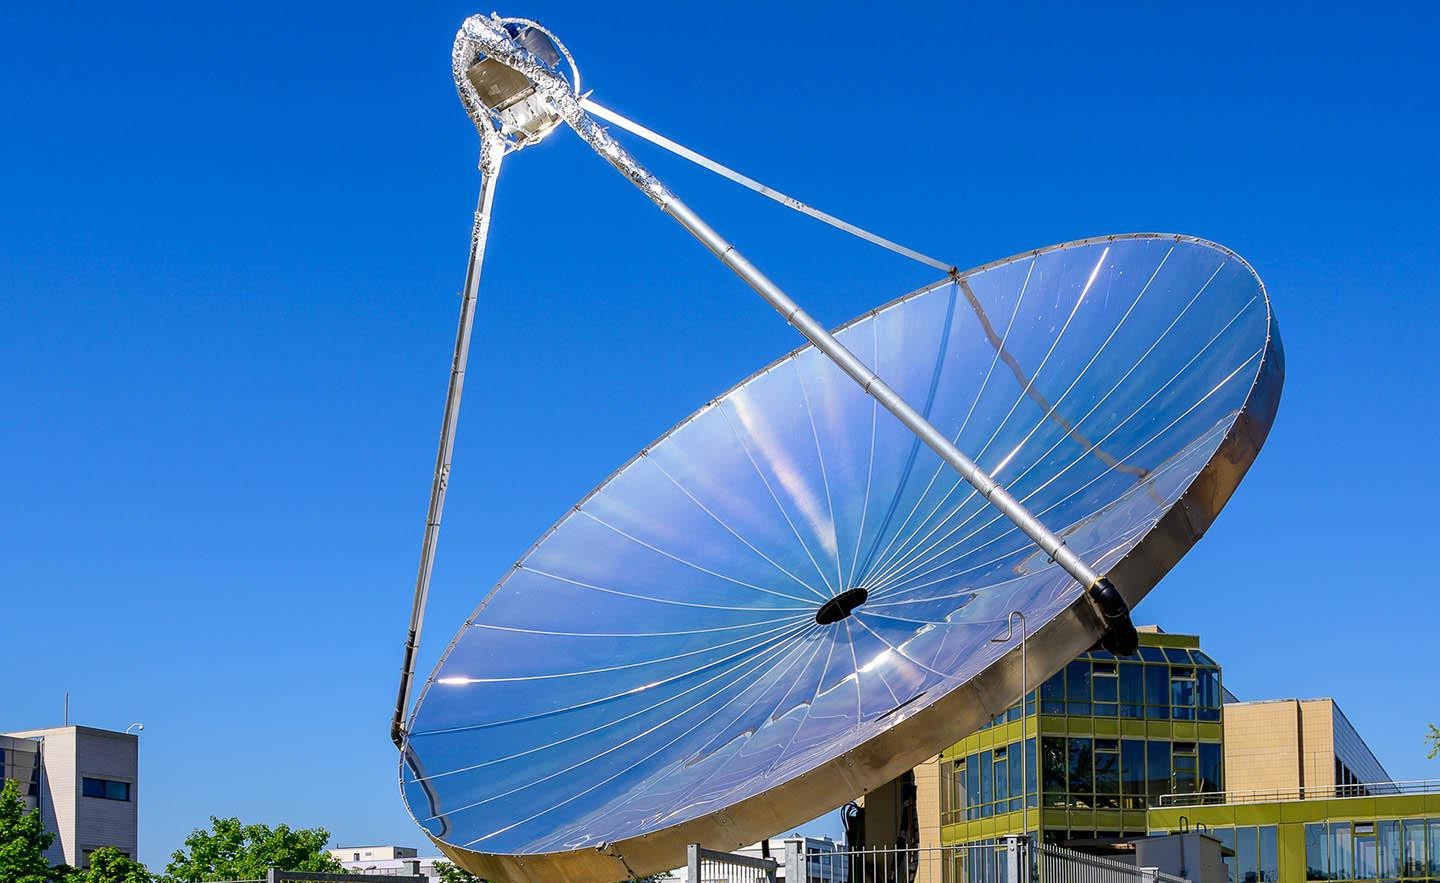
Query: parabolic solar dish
x: 652, y: 671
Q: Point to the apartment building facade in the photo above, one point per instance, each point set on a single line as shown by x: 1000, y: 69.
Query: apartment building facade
x: 85, y: 782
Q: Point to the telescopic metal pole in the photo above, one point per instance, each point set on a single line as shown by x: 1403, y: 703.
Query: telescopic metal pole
x: 491, y: 153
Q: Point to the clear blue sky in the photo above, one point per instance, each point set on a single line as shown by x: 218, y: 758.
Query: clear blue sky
x: 232, y: 235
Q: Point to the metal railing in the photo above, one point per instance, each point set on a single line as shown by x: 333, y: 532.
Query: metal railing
x: 1309, y: 792
x: 968, y: 863
x: 1056, y: 864
x: 708, y: 866
x: 1012, y: 860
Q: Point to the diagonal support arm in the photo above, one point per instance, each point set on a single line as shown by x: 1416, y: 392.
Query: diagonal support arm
x: 491, y: 154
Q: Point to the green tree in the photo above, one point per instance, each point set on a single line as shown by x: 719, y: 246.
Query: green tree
x: 23, y: 839
x: 450, y: 874
x: 1433, y: 737
x: 107, y: 865
x: 230, y: 850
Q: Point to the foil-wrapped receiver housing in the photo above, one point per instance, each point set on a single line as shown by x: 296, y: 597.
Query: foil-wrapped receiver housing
x: 518, y: 109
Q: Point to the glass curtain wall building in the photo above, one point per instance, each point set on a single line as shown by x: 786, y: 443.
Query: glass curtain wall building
x: 1392, y: 836
x: 1105, y: 738
x: 1115, y: 749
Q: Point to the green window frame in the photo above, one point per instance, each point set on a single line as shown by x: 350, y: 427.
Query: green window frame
x: 1317, y: 852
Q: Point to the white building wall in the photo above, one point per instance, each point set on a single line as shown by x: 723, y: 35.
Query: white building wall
x: 396, y: 867
x: 82, y: 824
x: 372, y: 853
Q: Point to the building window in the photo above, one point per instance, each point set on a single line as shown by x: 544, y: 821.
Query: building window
x: 1107, y: 773
x: 972, y: 787
x: 1182, y: 693
x: 1247, y: 855
x: 1157, y: 770
x: 1132, y: 690
x: 1317, y: 852
x: 1366, y: 863
x: 1002, y: 779
x: 1388, y: 853
x: 1052, y: 751
x: 1052, y: 694
x: 1185, y: 767
x: 952, y: 791
x: 1157, y: 692
x: 1081, y: 769
x: 1269, y: 869
x: 987, y: 784
x: 1257, y: 856
x: 1209, y: 700
x: 1342, y: 858
x: 1132, y: 772
x: 1077, y: 687
x: 1226, y: 836
x: 1387, y: 849
x: 1105, y: 682
x: 105, y: 789
x: 1017, y: 781
x: 1413, y: 839
x: 1434, y: 848
x: 1210, y: 781
x: 1032, y: 774
x: 1155, y: 684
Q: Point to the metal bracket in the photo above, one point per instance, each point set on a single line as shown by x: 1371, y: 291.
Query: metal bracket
x: 1119, y: 637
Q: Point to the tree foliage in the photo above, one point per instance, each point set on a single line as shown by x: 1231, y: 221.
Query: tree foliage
x: 231, y: 850
x: 448, y: 873
x: 109, y: 865
x: 1433, y: 737
x: 23, y: 839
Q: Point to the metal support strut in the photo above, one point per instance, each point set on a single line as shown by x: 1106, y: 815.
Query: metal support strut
x: 504, y: 128
x: 491, y: 154
x: 488, y: 37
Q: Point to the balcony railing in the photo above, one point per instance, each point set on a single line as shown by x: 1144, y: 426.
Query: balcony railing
x: 1317, y: 792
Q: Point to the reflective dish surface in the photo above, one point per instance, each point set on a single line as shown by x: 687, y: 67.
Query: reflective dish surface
x: 661, y: 653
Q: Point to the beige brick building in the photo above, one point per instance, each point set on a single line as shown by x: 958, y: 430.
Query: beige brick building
x: 1296, y: 746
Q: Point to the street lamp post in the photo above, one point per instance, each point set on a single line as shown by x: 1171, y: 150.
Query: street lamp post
x: 1024, y: 716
